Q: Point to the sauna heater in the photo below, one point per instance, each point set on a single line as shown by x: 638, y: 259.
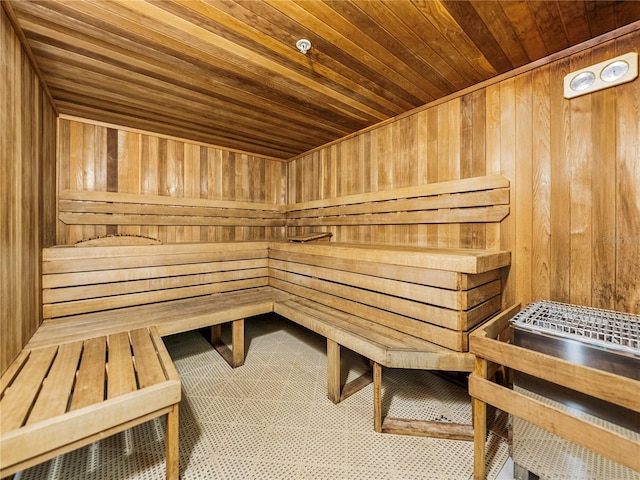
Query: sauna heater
x: 597, y: 338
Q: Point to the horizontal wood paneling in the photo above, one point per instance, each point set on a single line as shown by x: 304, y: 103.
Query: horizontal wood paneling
x: 168, y: 176
x: 27, y: 190
x: 573, y: 166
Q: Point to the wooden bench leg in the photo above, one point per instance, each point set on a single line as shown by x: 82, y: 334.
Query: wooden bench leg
x: 377, y: 397
x: 479, y: 412
x: 172, y: 444
x: 234, y: 356
x: 333, y: 371
x: 237, y: 342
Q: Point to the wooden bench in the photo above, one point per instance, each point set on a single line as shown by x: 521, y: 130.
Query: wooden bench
x: 100, y: 290
x: 58, y: 398
x: 400, y: 307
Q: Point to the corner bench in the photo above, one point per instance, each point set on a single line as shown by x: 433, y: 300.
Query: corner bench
x: 58, y: 398
x: 400, y: 307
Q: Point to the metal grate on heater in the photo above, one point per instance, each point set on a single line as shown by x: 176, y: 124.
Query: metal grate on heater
x: 604, y: 328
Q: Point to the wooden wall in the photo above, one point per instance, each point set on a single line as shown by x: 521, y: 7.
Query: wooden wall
x: 574, y: 167
x: 27, y: 190
x: 100, y: 158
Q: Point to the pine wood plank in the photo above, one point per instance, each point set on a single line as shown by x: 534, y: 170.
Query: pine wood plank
x: 80, y: 306
x: 57, y: 387
x: 446, y: 337
x: 613, y: 445
x: 19, y: 397
x: 51, y: 281
x: 121, y: 377
x: 390, y: 193
x: 70, y: 294
x: 135, y: 199
x: 435, y: 296
x: 452, y: 259
x: 148, y: 367
x: 90, y: 382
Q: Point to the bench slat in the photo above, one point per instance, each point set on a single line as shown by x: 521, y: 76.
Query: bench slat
x: 115, y: 260
x: 57, y: 387
x: 170, y: 317
x: 432, y: 314
x: 464, y: 215
x: 90, y: 381
x: 422, y: 276
x: 56, y: 280
x: 462, y: 260
x: 133, y: 219
x: 445, y: 337
x: 118, y: 288
x: 453, y: 299
x: 440, y: 188
x: 121, y: 377
x: 148, y: 367
x: 457, y: 200
x: 21, y: 394
x: 80, y: 306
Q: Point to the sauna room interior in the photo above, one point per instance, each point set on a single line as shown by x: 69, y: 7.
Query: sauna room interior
x: 341, y: 239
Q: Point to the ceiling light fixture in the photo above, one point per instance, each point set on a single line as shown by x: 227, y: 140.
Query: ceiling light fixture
x: 303, y: 45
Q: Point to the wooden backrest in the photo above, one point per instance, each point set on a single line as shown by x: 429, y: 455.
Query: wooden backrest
x: 470, y: 200
x: 438, y: 295
x: 106, y: 208
x: 88, y: 279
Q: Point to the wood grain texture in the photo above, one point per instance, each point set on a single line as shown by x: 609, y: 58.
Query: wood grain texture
x: 228, y: 73
x: 27, y: 192
x: 572, y: 166
x: 169, y: 189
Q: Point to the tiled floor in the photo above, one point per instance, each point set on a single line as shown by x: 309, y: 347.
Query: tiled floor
x: 271, y: 419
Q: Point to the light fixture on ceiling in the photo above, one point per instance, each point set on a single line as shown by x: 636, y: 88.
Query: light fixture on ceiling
x: 303, y: 45
x: 602, y: 75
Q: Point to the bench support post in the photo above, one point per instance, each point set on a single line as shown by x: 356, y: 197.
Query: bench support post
x: 377, y: 397
x: 172, y: 454
x: 479, y: 409
x: 333, y: 371
x: 234, y: 356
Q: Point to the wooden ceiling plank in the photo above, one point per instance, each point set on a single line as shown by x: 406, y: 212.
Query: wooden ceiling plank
x: 159, y: 93
x: 65, y: 90
x: 468, y: 18
x: 407, y: 27
x: 551, y: 25
x: 626, y: 12
x: 355, y: 46
x: 168, y: 25
x: 262, y: 35
x: 498, y: 24
x: 440, y: 20
x: 159, y: 70
x: 134, y: 33
x: 379, y: 22
x: 602, y: 16
x: 574, y: 17
x: 526, y: 27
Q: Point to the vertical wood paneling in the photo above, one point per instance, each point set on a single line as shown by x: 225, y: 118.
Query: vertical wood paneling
x: 98, y: 158
x: 581, y: 148
x: 27, y: 192
x: 541, y: 172
x: 574, y: 169
x: 627, y: 238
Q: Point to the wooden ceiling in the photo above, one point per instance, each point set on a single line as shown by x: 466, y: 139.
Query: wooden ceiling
x: 228, y: 72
